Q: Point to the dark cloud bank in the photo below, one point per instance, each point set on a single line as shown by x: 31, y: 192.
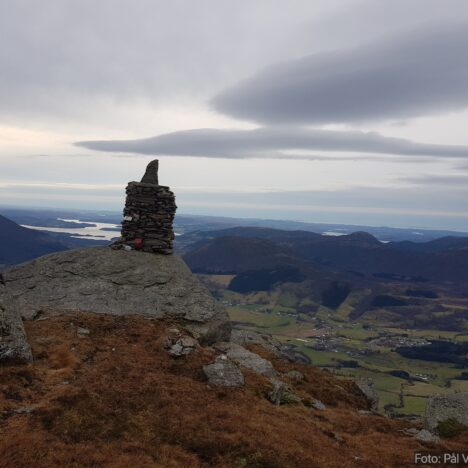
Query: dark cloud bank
x: 421, y: 72
x: 272, y: 142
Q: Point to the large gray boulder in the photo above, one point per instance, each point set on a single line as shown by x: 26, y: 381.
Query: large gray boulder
x: 14, y: 347
x: 223, y: 372
x: 245, y: 358
x: 118, y: 282
x: 440, y: 408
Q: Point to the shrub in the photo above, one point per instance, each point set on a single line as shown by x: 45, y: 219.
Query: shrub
x: 450, y: 428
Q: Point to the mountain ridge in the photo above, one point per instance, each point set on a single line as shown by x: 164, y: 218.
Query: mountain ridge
x: 443, y: 259
x: 19, y: 244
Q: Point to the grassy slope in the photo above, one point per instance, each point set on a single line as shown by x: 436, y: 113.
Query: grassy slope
x: 115, y: 398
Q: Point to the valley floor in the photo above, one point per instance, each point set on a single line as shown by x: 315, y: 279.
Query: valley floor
x: 364, y: 347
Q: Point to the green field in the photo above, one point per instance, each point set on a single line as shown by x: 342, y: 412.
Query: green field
x: 348, y: 341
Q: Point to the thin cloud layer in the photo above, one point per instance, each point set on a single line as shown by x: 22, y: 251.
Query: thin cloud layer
x: 272, y: 142
x: 449, y: 181
x: 421, y: 72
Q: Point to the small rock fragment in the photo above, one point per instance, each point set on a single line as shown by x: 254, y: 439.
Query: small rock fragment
x: 338, y: 437
x: 318, y: 405
x: 188, y: 342
x: 295, y: 375
x: 425, y: 436
x: 180, y: 346
x: 23, y: 410
x: 82, y: 332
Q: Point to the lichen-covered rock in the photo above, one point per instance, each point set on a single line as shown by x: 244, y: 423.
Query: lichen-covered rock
x: 247, y: 359
x: 224, y: 372
x: 441, y: 408
x: 14, y: 347
x: 117, y: 282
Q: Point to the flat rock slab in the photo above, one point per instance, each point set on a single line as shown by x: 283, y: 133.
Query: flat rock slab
x: 117, y: 282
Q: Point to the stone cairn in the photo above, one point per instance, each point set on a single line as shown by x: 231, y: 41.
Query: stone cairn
x: 148, y: 215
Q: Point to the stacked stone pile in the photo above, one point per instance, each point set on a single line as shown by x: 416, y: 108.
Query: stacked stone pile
x: 148, y: 215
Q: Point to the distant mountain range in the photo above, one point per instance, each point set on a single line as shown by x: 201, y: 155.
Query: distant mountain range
x: 19, y: 244
x: 242, y: 249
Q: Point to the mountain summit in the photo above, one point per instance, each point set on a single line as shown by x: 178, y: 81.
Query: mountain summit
x: 125, y: 359
x: 116, y: 282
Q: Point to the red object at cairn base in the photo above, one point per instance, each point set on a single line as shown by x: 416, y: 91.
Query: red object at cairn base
x: 148, y: 215
x: 138, y: 243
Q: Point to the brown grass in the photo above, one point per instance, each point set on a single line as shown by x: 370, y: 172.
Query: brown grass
x: 116, y: 399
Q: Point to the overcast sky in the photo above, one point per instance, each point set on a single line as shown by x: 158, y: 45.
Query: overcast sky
x: 345, y: 111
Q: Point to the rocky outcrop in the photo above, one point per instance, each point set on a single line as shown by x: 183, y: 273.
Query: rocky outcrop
x: 14, y: 347
x: 441, y: 408
x: 223, y: 372
x: 247, y: 337
x: 367, y: 388
x: 117, y: 282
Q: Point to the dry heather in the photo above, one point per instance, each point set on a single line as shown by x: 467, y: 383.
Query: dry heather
x: 115, y: 398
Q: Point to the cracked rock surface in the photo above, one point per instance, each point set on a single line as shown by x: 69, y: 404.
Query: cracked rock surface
x: 117, y: 282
